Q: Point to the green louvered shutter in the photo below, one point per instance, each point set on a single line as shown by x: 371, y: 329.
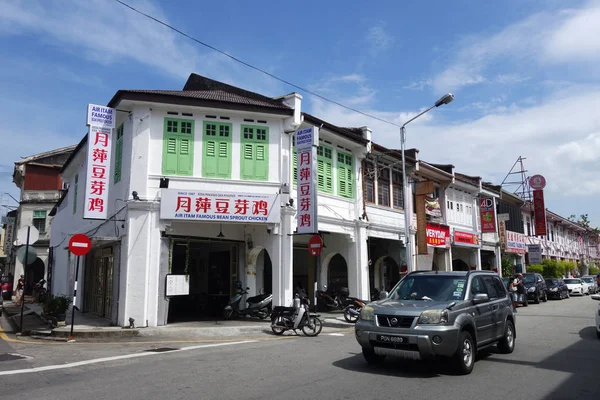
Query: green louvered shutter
x: 344, y: 175
x: 324, y: 169
x: 247, y: 165
x: 261, y: 154
x: 178, y: 147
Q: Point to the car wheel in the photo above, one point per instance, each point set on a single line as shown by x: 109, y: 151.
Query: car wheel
x: 371, y: 357
x: 464, y: 358
x: 507, y: 344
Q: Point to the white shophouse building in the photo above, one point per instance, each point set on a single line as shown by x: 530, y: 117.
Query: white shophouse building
x: 202, y: 185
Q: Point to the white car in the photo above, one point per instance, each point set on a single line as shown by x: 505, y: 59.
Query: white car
x: 597, y: 297
x: 577, y: 286
x: 591, y: 282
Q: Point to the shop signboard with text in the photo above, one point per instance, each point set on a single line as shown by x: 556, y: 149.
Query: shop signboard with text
x: 487, y: 215
x: 306, y: 142
x: 101, y: 122
x: 219, y: 207
x: 438, y: 235
x: 466, y: 239
x: 539, y: 210
x: 511, y: 242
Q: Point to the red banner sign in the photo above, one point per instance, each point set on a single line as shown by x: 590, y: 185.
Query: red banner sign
x: 438, y: 235
x: 487, y: 214
x: 466, y: 239
x: 539, y: 210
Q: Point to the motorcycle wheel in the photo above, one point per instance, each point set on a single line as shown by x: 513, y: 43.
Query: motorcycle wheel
x: 227, y: 314
x: 317, y: 325
x: 348, y: 316
x: 278, y: 330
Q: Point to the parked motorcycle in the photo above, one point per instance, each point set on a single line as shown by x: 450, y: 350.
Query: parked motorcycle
x: 332, y: 300
x: 297, y: 317
x: 352, y: 311
x: 258, y: 306
x: 39, y: 291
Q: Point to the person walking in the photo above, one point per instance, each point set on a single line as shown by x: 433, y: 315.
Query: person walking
x: 20, y: 290
x: 512, y: 288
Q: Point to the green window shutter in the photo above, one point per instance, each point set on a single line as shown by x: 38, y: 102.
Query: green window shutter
x: 254, y: 153
x: 247, y: 165
x: 39, y: 213
x: 344, y: 175
x: 178, y: 147
x: 75, y: 184
x: 325, y: 169
x: 216, y: 160
x: 119, y: 154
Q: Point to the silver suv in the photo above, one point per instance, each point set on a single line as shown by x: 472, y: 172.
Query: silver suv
x: 429, y: 314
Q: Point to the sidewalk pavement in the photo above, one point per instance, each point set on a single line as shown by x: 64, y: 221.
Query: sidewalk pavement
x: 88, y: 326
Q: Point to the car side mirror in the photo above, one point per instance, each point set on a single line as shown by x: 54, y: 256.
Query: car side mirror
x: 481, y: 298
x: 383, y: 295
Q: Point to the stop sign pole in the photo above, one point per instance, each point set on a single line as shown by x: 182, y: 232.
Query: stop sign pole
x: 315, y: 245
x: 79, y: 245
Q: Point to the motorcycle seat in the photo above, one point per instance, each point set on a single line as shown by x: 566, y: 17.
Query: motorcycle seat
x: 282, y: 309
x: 258, y: 299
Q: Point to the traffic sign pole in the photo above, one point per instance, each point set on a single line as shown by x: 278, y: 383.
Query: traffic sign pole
x: 74, y: 299
x: 79, y: 245
x: 24, y: 274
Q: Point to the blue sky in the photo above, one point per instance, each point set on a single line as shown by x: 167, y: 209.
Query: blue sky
x: 524, y: 74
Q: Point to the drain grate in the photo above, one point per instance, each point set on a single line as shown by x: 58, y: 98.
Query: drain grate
x: 11, y: 357
x: 162, y: 350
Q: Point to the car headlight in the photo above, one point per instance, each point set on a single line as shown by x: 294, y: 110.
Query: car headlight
x: 367, y: 313
x: 433, y: 317
x: 531, y: 289
x: 554, y: 289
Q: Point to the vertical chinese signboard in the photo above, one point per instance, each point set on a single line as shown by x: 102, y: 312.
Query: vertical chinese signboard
x: 422, y: 189
x: 8, y: 234
x: 487, y: 214
x: 307, y: 141
x: 538, y: 183
x: 101, y: 122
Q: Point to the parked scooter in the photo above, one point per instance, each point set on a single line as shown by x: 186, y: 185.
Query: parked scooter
x: 258, y: 306
x: 297, y: 317
x: 352, y: 311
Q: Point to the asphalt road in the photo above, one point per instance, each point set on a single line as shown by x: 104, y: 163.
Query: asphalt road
x: 557, y: 357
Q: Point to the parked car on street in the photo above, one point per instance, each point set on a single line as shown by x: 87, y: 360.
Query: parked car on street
x: 597, y: 297
x: 535, y: 287
x: 431, y: 314
x: 576, y: 286
x: 590, y: 281
x: 557, y: 289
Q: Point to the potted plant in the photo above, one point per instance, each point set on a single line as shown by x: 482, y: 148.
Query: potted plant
x: 56, y: 306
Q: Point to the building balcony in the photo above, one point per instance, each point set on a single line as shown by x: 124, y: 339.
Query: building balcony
x: 40, y: 196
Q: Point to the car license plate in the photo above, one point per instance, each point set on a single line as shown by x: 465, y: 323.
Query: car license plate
x: 392, y: 339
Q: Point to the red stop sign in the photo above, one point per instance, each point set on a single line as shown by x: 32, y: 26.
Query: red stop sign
x: 80, y: 244
x: 315, y: 245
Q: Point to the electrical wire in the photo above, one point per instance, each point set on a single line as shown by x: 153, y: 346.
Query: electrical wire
x: 282, y: 80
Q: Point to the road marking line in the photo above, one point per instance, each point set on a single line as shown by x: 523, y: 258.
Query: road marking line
x: 336, y: 334
x: 114, y: 358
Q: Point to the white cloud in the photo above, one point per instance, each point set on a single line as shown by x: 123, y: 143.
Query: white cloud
x: 117, y: 35
x: 559, y: 137
x: 545, y: 38
x: 510, y: 78
x: 419, y: 85
x: 378, y: 38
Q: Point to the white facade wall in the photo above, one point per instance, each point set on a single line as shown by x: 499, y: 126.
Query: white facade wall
x: 462, y: 214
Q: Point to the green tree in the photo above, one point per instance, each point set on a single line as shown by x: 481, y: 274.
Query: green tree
x: 507, y: 267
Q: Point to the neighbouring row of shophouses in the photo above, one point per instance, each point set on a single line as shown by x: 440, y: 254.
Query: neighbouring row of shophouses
x: 202, y: 184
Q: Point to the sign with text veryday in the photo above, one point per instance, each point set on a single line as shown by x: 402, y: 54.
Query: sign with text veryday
x: 487, y: 214
x: 306, y: 142
x: 219, y: 207
x: 101, y: 121
x: 438, y: 235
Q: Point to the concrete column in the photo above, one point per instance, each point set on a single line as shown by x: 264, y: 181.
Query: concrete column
x: 283, y: 285
x: 449, y: 259
x: 358, y: 263
x: 478, y: 259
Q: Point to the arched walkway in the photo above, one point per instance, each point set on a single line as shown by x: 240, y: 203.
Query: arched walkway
x: 34, y: 272
x: 259, y: 264
x: 459, y: 265
x: 337, y: 273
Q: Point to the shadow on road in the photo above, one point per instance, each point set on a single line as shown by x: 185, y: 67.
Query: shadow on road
x: 581, y: 360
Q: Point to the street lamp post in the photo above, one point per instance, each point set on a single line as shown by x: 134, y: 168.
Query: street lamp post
x: 409, y: 257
